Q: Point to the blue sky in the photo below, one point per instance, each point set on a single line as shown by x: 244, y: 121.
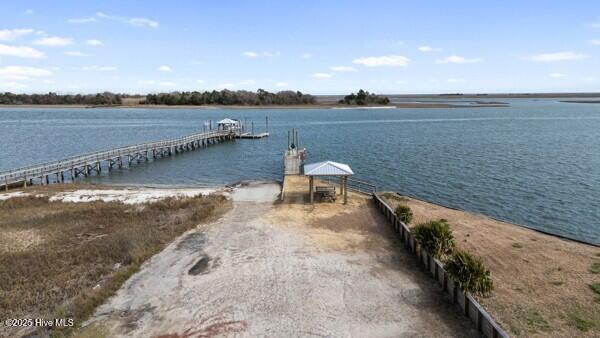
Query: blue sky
x: 320, y: 47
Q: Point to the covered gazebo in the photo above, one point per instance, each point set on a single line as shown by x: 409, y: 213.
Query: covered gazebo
x: 228, y: 124
x: 328, y: 168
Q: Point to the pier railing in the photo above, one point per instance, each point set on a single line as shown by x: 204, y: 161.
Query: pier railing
x: 21, y: 174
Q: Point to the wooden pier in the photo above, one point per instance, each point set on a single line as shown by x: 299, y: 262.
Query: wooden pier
x: 69, y: 169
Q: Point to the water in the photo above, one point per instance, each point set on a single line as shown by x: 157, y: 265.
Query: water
x: 536, y: 163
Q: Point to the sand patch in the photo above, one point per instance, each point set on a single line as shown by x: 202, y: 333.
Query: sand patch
x: 127, y: 196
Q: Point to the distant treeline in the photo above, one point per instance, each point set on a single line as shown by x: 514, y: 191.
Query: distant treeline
x: 228, y: 97
x: 364, y: 98
x: 105, y: 98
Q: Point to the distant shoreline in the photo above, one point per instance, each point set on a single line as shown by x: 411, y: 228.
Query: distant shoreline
x: 307, y: 106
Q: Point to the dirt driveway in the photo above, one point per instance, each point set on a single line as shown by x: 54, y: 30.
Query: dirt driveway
x: 282, y: 269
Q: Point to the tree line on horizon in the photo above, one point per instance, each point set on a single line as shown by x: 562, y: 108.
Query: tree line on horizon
x: 105, y: 98
x: 227, y: 97
x: 363, y: 97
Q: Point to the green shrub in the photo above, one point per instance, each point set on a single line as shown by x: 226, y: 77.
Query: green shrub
x: 404, y: 213
x: 469, y: 273
x: 595, y: 269
x: 435, y: 237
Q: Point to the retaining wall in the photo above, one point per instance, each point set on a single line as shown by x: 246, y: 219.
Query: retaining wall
x: 467, y: 304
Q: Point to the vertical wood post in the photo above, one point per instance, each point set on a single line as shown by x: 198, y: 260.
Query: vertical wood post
x: 345, y: 189
x: 310, y: 189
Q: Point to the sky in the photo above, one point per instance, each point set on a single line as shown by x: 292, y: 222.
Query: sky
x: 318, y: 47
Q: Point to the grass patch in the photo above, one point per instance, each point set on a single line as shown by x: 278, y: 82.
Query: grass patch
x: 517, y: 245
x: 536, y: 321
x: 596, y: 289
x: 581, y: 321
x: 435, y: 237
x: 469, y: 273
x: 595, y: 269
x: 392, y: 196
x: 79, y: 246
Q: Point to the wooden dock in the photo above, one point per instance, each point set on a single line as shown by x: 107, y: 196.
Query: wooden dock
x: 292, y: 161
x: 69, y: 169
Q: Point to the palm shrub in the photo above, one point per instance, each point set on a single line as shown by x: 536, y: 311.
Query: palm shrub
x: 404, y: 213
x: 435, y: 237
x: 469, y: 273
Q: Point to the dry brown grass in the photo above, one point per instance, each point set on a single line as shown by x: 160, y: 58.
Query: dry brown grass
x: 84, y: 251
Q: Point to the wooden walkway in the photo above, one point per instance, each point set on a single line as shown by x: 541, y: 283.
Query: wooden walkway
x: 292, y: 161
x: 69, y: 169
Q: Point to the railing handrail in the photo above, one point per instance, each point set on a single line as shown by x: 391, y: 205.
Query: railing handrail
x: 102, y: 154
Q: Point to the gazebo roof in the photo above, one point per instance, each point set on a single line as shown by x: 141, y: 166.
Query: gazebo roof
x: 227, y: 121
x: 327, y: 168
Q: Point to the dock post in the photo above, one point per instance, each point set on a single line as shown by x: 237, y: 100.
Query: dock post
x: 345, y: 189
x: 73, y: 174
x: 267, y: 123
x: 310, y: 190
x: 25, y: 182
x: 62, y: 177
x: 6, y: 183
x: 47, y: 180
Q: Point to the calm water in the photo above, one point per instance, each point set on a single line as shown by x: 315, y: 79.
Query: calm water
x: 536, y: 163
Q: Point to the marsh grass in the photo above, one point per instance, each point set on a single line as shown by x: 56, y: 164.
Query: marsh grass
x: 87, y: 250
x: 595, y: 269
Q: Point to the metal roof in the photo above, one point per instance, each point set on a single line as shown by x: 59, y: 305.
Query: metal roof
x: 227, y: 121
x: 327, y: 168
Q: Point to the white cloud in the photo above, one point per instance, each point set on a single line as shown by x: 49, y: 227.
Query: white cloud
x: 556, y: 57
x: 281, y: 84
x: 13, y: 34
x: 94, y: 42
x: 250, y: 54
x: 307, y: 55
x: 100, y: 68
x: 140, y: 22
x: 76, y: 53
x: 343, y: 69
x: 167, y: 84
x: 595, y: 42
x: 53, y: 41
x: 12, y: 85
x: 143, y: 22
x: 21, y: 51
x: 22, y: 72
x: 165, y: 69
x: 428, y: 49
x: 247, y: 82
x: 82, y: 20
x: 199, y: 81
x: 457, y: 60
x: 321, y: 75
x: 383, y: 61
x: 557, y: 75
